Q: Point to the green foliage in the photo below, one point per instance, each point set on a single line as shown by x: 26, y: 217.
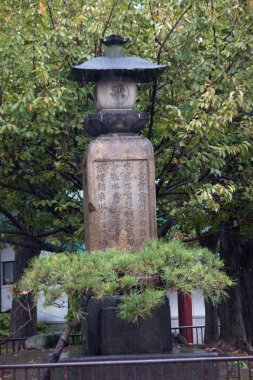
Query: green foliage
x: 5, y: 320
x: 142, y: 277
x: 41, y: 328
x: 201, y: 110
x: 69, y: 316
x: 208, y: 115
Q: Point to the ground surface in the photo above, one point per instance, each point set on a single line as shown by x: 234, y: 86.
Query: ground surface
x: 171, y: 371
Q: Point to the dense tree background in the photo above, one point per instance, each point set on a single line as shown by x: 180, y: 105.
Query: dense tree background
x: 200, y: 116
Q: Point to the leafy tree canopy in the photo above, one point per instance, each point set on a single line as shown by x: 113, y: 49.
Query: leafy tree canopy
x: 200, y: 111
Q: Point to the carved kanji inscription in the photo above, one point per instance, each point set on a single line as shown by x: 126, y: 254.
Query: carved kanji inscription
x: 119, y: 184
x: 122, y: 198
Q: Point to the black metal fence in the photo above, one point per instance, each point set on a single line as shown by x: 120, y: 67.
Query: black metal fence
x: 12, y: 345
x: 205, y: 368
x: 17, y: 344
x: 75, y: 340
x: 197, y: 332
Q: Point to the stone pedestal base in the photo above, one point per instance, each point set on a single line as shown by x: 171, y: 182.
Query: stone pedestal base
x: 108, y: 334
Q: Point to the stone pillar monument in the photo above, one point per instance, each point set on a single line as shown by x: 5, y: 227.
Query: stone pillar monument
x: 120, y: 207
x: 119, y: 188
x: 119, y: 176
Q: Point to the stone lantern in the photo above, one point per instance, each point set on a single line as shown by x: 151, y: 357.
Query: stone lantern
x: 119, y: 189
x: 119, y: 177
x: 115, y: 77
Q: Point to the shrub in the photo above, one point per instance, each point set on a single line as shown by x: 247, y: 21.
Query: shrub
x: 5, y: 321
x: 141, y: 277
x: 41, y: 328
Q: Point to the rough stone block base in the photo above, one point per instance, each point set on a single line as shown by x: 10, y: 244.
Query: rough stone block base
x: 93, y: 323
x: 108, y: 334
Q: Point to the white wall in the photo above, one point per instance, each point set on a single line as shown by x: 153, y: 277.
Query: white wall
x: 50, y: 314
x: 6, y: 254
x: 198, y: 308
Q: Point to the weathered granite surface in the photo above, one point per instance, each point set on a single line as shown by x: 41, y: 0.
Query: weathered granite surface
x: 119, y: 184
x: 108, y: 334
x: 121, y: 121
x: 149, y: 335
x: 92, y: 327
x: 115, y: 94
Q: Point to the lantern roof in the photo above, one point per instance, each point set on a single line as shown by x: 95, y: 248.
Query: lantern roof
x: 115, y: 64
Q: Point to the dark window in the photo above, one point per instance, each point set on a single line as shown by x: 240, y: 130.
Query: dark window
x: 8, y: 272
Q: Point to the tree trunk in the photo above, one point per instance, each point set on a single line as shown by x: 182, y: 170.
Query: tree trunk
x: 23, y: 312
x: 232, y: 330
x: 211, y: 324
x: 55, y: 356
x: 211, y: 311
x: 246, y: 281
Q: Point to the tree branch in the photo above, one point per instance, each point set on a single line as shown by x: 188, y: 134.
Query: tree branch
x: 16, y: 188
x: 50, y: 247
x: 170, y: 33
x: 109, y: 17
x: 38, y: 244
x: 15, y: 332
x: 172, y: 188
x: 50, y: 14
x: 18, y: 243
x: 11, y: 218
x: 152, y: 109
x: 54, y: 232
x: 12, y: 232
x: 165, y: 228
x: 107, y: 23
x: 213, y: 27
x: 55, y: 356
